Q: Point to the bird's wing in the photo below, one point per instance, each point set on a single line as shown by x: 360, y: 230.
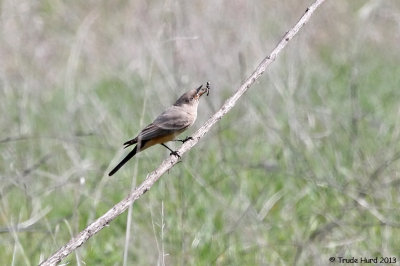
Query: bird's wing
x: 174, y: 118
x: 170, y: 121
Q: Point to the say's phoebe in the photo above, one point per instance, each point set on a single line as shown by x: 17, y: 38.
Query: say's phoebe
x: 173, y: 121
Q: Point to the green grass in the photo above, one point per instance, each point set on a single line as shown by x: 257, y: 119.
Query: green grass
x: 304, y: 168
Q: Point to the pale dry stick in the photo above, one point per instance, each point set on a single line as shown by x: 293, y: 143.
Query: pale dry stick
x: 168, y: 163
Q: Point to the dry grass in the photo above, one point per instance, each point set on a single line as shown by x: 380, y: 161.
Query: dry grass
x: 306, y: 167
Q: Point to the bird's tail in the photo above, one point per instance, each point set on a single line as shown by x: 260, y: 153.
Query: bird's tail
x: 127, y: 158
x: 130, y: 142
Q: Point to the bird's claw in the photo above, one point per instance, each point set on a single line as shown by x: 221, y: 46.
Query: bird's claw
x: 175, y: 153
x: 186, y: 139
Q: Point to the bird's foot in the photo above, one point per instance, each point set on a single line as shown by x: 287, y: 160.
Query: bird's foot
x: 175, y: 153
x: 184, y: 140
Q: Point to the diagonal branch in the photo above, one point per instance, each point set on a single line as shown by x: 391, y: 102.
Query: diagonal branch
x: 168, y: 163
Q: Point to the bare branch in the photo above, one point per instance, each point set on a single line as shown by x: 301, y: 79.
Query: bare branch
x: 168, y: 163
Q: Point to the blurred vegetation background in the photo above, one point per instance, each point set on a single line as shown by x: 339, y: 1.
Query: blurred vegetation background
x: 305, y: 167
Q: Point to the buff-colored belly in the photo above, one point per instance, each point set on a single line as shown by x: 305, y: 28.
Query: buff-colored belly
x: 163, y: 139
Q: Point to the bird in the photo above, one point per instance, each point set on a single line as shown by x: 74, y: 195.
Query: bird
x: 168, y: 125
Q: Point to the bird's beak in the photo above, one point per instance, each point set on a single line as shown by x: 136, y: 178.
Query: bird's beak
x: 201, y: 90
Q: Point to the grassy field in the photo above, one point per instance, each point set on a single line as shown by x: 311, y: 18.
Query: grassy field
x: 304, y: 168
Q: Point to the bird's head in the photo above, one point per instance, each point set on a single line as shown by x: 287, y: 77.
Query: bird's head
x: 193, y: 96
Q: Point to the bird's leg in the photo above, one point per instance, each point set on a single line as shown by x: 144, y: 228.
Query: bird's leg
x: 184, y: 140
x: 172, y: 152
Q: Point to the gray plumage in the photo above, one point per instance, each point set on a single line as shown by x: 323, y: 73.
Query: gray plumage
x: 169, y: 124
